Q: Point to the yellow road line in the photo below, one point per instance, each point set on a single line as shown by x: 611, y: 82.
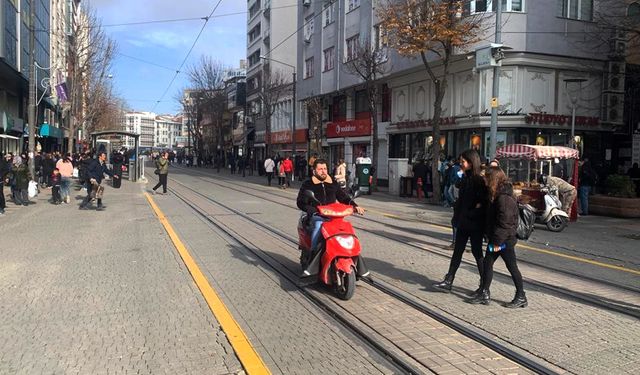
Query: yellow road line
x: 579, y: 259
x: 251, y: 361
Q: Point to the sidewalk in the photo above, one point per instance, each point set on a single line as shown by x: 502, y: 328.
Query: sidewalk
x: 100, y: 292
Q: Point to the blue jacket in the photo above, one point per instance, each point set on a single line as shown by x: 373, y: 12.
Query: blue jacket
x: 97, y: 170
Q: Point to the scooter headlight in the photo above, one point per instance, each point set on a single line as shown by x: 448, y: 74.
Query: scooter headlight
x: 346, y: 241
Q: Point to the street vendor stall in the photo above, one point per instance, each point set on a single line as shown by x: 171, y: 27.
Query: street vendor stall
x: 524, y: 163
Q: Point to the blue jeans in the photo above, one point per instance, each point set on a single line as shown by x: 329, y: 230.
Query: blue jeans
x: 584, y: 192
x: 64, y: 187
x: 316, y: 224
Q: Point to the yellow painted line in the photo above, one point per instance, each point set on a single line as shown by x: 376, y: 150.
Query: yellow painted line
x: 251, y: 361
x: 579, y: 259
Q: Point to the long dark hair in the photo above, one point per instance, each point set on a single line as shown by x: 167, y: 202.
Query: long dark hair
x: 495, y: 179
x: 472, y: 157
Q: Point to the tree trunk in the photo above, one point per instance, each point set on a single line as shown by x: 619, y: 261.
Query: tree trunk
x: 437, y: 113
x: 373, y: 110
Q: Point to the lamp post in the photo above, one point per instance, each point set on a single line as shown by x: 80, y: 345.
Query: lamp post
x: 574, y: 104
x: 293, y: 127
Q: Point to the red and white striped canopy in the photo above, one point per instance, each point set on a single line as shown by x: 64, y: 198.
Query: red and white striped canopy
x: 520, y: 151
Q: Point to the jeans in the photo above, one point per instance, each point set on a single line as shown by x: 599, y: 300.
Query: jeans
x: 64, y: 187
x: 584, y: 199
x: 316, y: 224
x: 509, y: 257
x: 269, y: 177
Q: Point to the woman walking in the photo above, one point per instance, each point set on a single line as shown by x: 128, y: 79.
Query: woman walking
x: 65, y: 167
x: 162, y: 170
x: 502, y: 221
x: 341, y: 174
x: 468, y: 217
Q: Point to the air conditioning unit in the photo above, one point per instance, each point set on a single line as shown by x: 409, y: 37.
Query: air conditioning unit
x: 306, y: 3
x: 614, y: 76
x: 612, y: 108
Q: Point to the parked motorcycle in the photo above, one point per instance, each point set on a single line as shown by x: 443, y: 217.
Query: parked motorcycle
x: 552, y: 215
x: 337, y: 262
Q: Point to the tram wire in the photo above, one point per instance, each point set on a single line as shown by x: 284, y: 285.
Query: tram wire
x: 510, y: 352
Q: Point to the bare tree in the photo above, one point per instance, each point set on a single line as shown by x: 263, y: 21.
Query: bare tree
x: 315, y: 108
x: 109, y: 111
x: 90, y: 55
x: 206, y: 78
x: 274, y: 87
x: 434, y: 30
x: 370, y: 64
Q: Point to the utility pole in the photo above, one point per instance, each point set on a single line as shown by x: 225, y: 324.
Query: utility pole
x: 496, y: 86
x: 293, y: 135
x: 32, y: 90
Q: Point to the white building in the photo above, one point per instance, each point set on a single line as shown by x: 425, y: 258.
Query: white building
x: 142, y: 123
x: 166, y: 130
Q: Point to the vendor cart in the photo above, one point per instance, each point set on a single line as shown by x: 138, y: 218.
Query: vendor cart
x: 524, y: 163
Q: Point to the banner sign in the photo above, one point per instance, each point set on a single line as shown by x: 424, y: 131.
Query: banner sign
x: 350, y: 128
x: 550, y: 119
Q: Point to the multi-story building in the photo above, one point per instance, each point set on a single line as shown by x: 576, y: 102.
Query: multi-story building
x: 15, y: 62
x: 142, y: 123
x: 550, y: 47
x: 270, y: 25
x: 236, y: 95
x: 165, y: 131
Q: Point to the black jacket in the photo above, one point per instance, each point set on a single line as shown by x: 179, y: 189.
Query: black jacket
x: 470, y: 209
x: 327, y: 192
x: 502, y: 218
x: 97, y: 170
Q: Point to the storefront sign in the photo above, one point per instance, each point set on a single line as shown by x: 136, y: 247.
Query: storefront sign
x: 550, y: 119
x: 284, y: 137
x: 351, y: 128
x: 423, y: 123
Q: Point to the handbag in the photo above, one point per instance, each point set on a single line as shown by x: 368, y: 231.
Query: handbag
x: 157, y: 171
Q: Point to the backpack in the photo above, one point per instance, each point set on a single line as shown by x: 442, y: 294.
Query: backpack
x: 526, y: 220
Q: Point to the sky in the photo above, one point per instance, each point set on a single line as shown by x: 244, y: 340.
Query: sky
x: 142, y: 83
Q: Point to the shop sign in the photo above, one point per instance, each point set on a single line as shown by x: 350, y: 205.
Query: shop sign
x: 350, y: 128
x: 550, y: 119
x: 284, y: 137
x: 424, y: 123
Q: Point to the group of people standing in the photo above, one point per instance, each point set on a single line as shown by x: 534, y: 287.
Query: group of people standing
x: 486, y: 208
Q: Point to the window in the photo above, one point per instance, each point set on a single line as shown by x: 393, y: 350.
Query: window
x: 576, y: 9
x: 308, y: 27
x: 353, y: 4
x: 254, y: 33
x: 380, y: 37
x: 255, y: 8
x: 352, y: 48
x: 254, y: 58
x: 328, y: 14
x: 480, y: 6
x: 328, y: 56
x: 361, y: 105
x: 634, y: 13
x: 308, y: 68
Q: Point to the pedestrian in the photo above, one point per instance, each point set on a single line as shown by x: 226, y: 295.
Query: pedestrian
x: 162, y: 170
x: 566, y: 192
x: 420, y: 178
x: 21, y: 178
x: 281, y: 174
x: 5, y: 169
x: 95, y: 171
x: 502, y: 222
x: 634, y: 175
x: 468, y: 217
x: 48, y: 165
x: 118, y: 161
x: 587, y: 179
x: 288, y: 170
x: 341, y: 174
x: 56, y: 181
x: 65, y: 166
x: 269, y: 166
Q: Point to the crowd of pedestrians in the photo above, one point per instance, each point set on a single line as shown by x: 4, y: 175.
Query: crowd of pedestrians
x: 55, y: 173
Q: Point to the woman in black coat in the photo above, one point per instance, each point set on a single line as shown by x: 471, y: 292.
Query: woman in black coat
x: 468, y: 217
x: 502, y: 222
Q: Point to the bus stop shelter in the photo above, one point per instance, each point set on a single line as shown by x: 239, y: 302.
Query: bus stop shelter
x: 135, y: 174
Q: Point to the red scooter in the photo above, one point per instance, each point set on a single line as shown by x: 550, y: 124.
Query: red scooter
x: 337, y: 262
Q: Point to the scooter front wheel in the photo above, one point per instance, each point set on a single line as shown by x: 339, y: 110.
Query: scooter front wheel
x: 346, y: 285
x: 557, y: 223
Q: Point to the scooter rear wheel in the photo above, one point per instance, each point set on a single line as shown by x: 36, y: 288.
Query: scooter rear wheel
x: 347, y: 285
x: 557, y: 223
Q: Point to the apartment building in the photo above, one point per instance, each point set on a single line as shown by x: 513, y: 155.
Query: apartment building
x: 165, y: 129
x: 271, y: 27
x: 550, y: 47
x: 142, y: 123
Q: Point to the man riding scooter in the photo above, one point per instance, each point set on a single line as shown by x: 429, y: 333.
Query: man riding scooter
x: 326, y: 191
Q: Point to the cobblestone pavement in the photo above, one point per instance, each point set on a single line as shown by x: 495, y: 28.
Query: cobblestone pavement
x: 573, y: 335
x: 86, y: 292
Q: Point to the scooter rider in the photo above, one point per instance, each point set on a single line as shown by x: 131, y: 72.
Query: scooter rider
x: 566, y: 192
x: 326, y: 191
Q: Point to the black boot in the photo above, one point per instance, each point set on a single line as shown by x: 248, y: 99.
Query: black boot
x: 475, y: 293
x: 484, y: 297
x: 445, y: 285
x: 520, y: 300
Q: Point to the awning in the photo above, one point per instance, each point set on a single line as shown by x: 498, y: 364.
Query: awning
x: 5, y: 136
x: 521, y: 151
x: 47, y: 130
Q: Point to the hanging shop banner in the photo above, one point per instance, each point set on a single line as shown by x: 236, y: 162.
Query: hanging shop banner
x: 350, y: 128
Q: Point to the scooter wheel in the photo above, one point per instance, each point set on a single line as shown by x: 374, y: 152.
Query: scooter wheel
x: 347, y: 286
x: 557, y: 223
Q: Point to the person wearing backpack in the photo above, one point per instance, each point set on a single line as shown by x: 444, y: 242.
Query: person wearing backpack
x: 501, y: 223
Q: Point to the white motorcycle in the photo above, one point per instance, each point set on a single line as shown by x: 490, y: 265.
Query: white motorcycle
x: 552, y: 216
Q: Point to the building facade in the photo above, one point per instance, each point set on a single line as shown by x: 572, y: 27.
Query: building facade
x: 551, y: 47
x: 142, y: 123
x: 166, y: 129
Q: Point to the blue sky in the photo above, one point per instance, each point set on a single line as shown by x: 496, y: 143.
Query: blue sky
x: 166, y: 44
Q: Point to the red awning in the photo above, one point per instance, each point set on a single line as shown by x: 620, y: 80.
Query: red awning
x: 520, y: 151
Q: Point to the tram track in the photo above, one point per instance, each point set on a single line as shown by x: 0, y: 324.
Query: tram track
x: 555, y: 289
x: 513, y: 353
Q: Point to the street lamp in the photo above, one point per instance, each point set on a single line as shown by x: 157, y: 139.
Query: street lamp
x: 293, y: 128
x: 574, y: 104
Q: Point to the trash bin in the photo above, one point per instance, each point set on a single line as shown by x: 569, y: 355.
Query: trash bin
x: 406, y: 186
x: 363, y: 174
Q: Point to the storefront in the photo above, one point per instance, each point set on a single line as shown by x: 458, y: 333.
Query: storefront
x: 50, y: 138
x: 281, y: 142
x: 348, y: 140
